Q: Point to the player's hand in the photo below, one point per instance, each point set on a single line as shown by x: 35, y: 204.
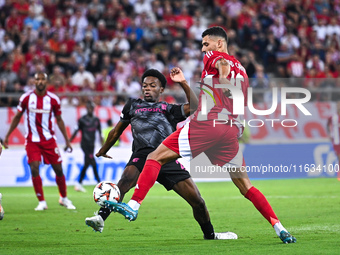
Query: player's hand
x: 5, y: 144
x: 104, y: 155
x: 177, y: 75
x: 226, y: 91
x: 68, y: 148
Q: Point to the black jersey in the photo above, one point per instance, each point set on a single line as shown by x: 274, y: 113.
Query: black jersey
x: 151, y: 123
x: 88, y: 127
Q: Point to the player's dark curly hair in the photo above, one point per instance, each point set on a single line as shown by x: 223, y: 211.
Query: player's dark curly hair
x: 157, y: 74
x: 216, y: 31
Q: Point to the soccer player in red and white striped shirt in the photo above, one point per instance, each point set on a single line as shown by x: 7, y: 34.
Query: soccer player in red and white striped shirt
x: 333, y: 128
x: 42, y: 108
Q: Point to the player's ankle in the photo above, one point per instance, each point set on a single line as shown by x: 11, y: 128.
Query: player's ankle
x: 134, y: 205
x: 278, y: 228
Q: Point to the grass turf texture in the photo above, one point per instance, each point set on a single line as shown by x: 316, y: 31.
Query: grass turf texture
x: 308, y: 208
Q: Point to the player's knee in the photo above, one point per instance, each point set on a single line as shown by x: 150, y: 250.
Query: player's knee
x: 199, y: 204
x: 153, y: 156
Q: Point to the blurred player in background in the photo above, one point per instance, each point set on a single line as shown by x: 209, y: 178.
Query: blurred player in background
x: 218, y: 142
x: 88, y: 125
x: 333, y: 129
x: 151, y: 122
x: 42, y: 108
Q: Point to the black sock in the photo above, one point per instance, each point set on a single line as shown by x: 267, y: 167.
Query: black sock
x: 208, y: 230
x: 104, y: 212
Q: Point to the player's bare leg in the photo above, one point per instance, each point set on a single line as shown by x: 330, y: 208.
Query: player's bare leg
x: 37, y: 185
x: 188, y: 190
x: 61, y: 182
x: 241, y: 180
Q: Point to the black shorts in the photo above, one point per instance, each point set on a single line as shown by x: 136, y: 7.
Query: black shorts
x: 170, y: 174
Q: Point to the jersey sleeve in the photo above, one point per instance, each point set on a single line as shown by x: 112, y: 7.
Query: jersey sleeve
x: 210, y: 59
x: 177, y: 111
x: 125, y: 114
x: 23, y: 102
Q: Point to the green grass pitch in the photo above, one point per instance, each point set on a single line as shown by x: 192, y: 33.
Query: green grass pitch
x: 308, y: 208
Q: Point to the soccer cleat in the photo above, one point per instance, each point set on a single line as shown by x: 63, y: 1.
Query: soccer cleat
x: 286, y: 237
x: 64, y: 201
x: 41, y: 206
x: 123, y: 209
x: 78, y: 187
x: 95, y: 222
x: 224, y: 236
x: 2, y: 212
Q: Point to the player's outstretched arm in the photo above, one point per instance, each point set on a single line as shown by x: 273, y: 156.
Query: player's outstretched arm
x: 177, y: 75
x: 74, y: 135
x: 62, y: 128
x: 113, y: 136
x: 13, y: 126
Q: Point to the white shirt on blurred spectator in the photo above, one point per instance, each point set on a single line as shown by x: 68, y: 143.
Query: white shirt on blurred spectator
x: 233, y: 8
x: 130, y: 87
x: 188, y: 66
x: 7, y: 45
x: 316, y: 62
x: 321, y: 30
x: 81, y: 75
x: 154, y: 63
x: 291, y: 41
x: 38, y: 9
x: 196, y: 30
x: 142, y: 6
x: 333, y: 28
x: 78, y: 24
x: 123, y: 43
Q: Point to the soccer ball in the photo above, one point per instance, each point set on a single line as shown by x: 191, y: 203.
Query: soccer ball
x: 105, y: 191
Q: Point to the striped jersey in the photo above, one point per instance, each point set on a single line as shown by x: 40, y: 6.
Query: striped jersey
x: 40, y: 115
x: 333, y: 124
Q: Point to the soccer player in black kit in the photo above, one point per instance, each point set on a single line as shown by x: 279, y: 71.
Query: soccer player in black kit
x: 88, y: 125
x: 151, y: 122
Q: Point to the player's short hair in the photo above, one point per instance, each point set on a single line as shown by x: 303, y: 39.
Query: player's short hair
x: 216, y: 31
x: 155, y: 73
x: 36, y: 75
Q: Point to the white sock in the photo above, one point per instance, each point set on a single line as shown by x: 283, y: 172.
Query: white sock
x: 134, y: 205
x: 278, y: 228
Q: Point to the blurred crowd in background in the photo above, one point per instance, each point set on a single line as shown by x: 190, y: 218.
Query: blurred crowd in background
x: 106, y: 45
